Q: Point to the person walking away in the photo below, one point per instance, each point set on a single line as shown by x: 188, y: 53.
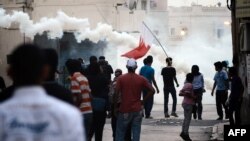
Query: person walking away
x: 130, y: 86
x: 220, y: 83
x: 81, y: 93
x: 235, y: 98
x: 31, y: 114
x: 169, y: 77
x: 187, y: 104
x: 115, y: 101
x: 99, y: 89
x: 198, y: 86
x: 50, y: 84
x: 148, y: 72
x: 107, y: 71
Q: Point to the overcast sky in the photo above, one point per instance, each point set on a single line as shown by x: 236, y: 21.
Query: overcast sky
x: 188, y: 2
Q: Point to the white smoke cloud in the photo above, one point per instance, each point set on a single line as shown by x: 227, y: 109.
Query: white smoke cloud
x: 55, y: 27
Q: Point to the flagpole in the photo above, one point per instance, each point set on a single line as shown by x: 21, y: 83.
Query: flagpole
x: 155, y: 38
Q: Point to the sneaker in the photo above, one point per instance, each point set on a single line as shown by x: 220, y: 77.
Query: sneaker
x: 219, y: 118
x: 188, y: 138
x: 167, y: 116
x: 185, y: 137
x: 174, y: 114
x: 199, y: 118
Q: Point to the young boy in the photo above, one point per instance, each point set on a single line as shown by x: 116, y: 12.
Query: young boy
x: 187, y: 104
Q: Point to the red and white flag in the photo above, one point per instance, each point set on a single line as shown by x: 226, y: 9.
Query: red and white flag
x: 145, y: 43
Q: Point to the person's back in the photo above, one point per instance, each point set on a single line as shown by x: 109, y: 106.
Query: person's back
x: 188, y: 89
x: 131, y: 86
x: 147, y: 72
x: 168, y: 74
x: 37, y: 116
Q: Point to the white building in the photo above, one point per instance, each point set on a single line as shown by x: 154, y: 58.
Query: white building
x: 211, y: 23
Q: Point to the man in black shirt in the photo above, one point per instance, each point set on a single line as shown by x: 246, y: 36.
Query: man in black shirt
x: 169, y: 76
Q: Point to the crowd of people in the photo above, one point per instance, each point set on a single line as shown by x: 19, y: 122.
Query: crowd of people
x: 36, y: 107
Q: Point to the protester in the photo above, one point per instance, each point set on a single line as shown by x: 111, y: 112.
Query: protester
x: 99, y: 90
x: 30, y: 114
x: 130, y: 86
x: 107, y: 70
x: 83, y: 65
x: 220, y: 83
x: 50, y: 84
x: 92, y: 60
x: 169, y: 76
x: 198, y: 86
x: 115, y: 101
x: 235, y: 98
x: 187, y: 104
x: 148, y: 72
x: 81, y: 93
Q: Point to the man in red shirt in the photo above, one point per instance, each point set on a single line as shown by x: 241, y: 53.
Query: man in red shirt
x: 130, y: 86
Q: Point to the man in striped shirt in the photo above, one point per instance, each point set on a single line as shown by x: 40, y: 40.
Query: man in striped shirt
x: 81, y: 92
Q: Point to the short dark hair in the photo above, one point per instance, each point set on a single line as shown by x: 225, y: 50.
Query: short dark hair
x: 73, y: 66
x: 102, y: 57
x: 168, y: 59
x: 92, y: 59
x: 218, y: 65
x: 51, y: 59
x: 195, y: 69
x: 149, y: 59
x: 189, y: 77
x: 26, y: 63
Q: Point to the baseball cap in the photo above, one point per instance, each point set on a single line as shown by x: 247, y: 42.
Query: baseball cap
x: 131, y: 63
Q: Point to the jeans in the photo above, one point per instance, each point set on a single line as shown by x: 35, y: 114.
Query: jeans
x: 88, y: 118
x: 187, y: 117
x: 148, y: 104
x: 99, y: 119
x: 172, y: 91
x: 123, y: 120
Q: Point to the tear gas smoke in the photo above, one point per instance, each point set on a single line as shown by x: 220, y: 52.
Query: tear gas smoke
x: 55, y: 27
x: 193, y: 51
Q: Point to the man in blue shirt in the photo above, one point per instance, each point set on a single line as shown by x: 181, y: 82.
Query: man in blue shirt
x: 220, y: 82
x: 148, y: 72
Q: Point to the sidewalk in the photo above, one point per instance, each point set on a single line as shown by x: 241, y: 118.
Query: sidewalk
x: 162, y: 129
